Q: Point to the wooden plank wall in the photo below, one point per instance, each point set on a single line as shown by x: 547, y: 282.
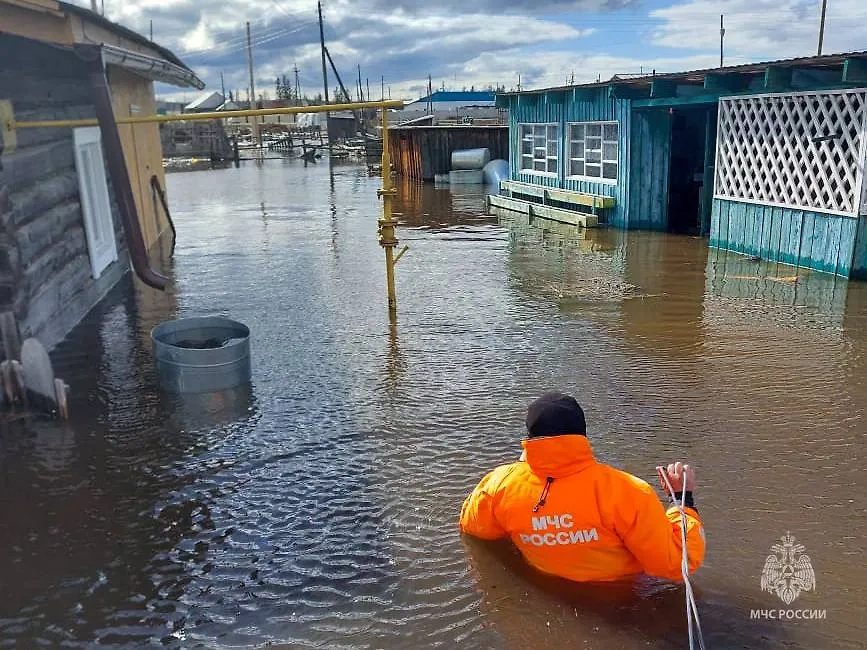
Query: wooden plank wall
x: 46, y: 265
x: 422, y: 152
x: 823, y: 242
x: 649, y: 158
x: 641, y: 192
x: 859, y: 258
x: 142, y: 147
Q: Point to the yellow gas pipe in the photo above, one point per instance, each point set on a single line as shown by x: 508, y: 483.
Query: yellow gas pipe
x: 387, y: 223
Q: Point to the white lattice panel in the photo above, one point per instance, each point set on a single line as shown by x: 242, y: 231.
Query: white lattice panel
x: 773, y: 149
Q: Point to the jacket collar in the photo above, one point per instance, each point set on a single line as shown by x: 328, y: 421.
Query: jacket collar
x: 558, y: 456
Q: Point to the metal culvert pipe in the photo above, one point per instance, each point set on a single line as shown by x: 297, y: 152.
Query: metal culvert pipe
x: 470, y: 159
x: 201, y: 354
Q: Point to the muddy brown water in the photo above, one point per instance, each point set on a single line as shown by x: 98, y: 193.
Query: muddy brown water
x: 318, y: 507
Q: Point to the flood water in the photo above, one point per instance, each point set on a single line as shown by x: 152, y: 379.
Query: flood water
x: 318, y: 508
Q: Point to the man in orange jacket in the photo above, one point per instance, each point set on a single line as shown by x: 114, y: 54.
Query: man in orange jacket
x: 579, y: 519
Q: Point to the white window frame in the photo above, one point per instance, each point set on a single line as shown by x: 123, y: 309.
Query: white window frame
x: 95, y: 204
x: 522, y: 138
x: 573, y: 156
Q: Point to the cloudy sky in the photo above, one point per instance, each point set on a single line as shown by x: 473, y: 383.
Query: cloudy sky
x: 480, y: 42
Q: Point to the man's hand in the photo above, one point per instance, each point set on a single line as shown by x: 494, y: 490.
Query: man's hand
x: 677, y: 473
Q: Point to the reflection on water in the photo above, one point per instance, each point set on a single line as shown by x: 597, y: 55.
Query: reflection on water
x: 317, y: 507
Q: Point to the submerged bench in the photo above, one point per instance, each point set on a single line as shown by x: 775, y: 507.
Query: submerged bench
x: 579, y: 217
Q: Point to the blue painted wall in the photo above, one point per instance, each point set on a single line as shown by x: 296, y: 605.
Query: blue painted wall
x: 641, y: 191
x: 814, y: 240
x: 650, y: 155
x: 859, y: 259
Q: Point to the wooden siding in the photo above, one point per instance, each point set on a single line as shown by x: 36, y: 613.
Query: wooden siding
x: 650, y: 156
x: 641, y: 191
x: 801, y: 238
x: 859, y: 258
x: 46, y: 273
x: 422, y: 152
x: 142, y: 148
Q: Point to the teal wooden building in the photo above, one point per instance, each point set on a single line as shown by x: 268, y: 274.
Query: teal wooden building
x: 765, y: 159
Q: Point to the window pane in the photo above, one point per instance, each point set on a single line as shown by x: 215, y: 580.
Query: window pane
x: 577, y: 132
x: 594, y: 129
x: 552, y: 147
x: 539, y: 141
x: 611, y: 132
x: 593, y: 170
x: 609, y: 170
x: 577, y: 168
x: 594, y: 144
x: 526, y: 146
x: 609, y: 151
x: 553, y: 133
x: 552, y: 165
x: 594, y: 156
x: 539, y: 166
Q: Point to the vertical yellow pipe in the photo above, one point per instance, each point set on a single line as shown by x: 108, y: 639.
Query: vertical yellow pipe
x: 386, y: 225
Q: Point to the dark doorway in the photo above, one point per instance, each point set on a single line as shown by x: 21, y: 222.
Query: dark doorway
x: 686, y: 178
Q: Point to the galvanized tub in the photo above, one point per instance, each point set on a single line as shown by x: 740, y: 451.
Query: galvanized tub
x: 201, y: 354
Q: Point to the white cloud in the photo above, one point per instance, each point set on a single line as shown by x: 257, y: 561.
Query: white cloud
x: 763, y: 29
x: 487, y: 42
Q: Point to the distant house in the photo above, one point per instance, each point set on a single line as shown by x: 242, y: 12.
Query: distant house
x: 206, y: 102
x: 449, y: 107
x: 76, y: 204
x: 165, y: 107
x: 766, y: 159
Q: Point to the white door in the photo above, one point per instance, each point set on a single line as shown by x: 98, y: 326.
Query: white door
x: 95, y: 204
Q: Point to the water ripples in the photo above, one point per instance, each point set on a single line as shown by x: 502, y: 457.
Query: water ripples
x: 318, y: 508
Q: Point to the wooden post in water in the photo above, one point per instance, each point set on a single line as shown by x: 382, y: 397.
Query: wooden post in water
x: 10, y: 335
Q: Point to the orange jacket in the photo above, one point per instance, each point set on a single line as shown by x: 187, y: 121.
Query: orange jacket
x: 594, y: 523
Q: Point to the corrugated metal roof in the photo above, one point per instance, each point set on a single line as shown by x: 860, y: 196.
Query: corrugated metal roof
x: 816, y: 62
x: 459, y: 96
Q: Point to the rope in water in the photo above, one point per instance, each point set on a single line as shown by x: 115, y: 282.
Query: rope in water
x: 691, y: 608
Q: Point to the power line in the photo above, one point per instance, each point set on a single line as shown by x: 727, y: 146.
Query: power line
x: 220, y: 49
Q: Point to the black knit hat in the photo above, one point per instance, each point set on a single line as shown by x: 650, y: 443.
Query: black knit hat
x: 555, y: 414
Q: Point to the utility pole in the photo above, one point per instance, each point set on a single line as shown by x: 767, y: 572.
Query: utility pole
x: 382, y: 94
x: 822, y: 26
x: 223, y: 85
x: 152, y: 30
x: 297, y: 88
x: 360, y: 87
x: 572, y: 81
x: 322, y: 47
x: 324, y: 70
x: 519, y: 82
x: 252, y: 83
x: 430, y: 94
x: 367, y: 81
x: 722, y: 33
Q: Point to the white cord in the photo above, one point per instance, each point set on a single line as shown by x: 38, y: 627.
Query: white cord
x: 691, y: 608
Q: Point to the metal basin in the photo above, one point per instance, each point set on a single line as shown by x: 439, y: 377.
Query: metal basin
x: 201, y: 354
